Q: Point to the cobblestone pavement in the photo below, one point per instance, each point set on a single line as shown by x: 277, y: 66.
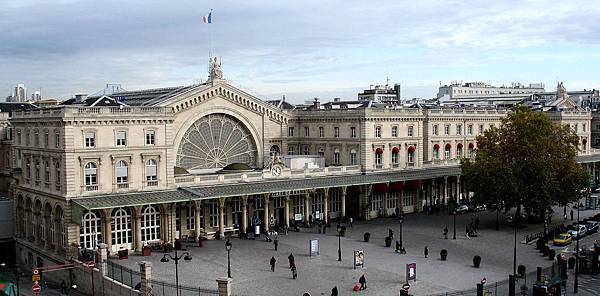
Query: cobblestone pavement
x: 384, y: 269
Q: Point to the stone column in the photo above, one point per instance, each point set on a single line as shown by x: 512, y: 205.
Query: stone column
x: 445, y: 193
x: 306, y: 208
x: 286, y: 215
x: 222, y: 217
x: 145, y: 278
x: 107, y: 229
x: 364, y: 201
x: 244, y: 214
x: 137, y: 228
x: 325, y: 204
x: 266, y: 219
x: 343, y: 201
x: 197, y: 222
x: 103, y: 257
x: 224, y: 286
x: 457, y: 188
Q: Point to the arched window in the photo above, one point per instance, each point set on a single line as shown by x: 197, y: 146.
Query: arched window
x: 150, y: 224
x: 90, y: 233
x: 52, y: 228
x: 274, y: 150
x: 322, y: 152
x: 353, y: 160
x: 64, y: 238
x: 91, y: 174
x: 37, y: 169
x: 395, y: 152
x: 121, y: 229
x: 436, y: 151
x: 336, y: 156
x: 410, y: 156
x: 121, y: 172
x: 459, y: 149
x: 447, y: 154
x: 379, y: 157
x: 378, y: 132
x: 151, y: 170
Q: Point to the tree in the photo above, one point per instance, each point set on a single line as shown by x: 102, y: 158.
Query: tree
x: 528, y: 162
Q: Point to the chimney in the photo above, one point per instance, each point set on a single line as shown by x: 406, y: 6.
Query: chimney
x: 79, y: 98
x: 397, y: 88
x: 316, y: 104
x: 336, y: 99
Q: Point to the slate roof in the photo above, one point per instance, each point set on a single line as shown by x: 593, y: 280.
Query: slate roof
x: 15, y: 106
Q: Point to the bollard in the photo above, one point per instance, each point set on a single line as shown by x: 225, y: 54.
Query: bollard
x: 511, y: 285
x: 480, y: 289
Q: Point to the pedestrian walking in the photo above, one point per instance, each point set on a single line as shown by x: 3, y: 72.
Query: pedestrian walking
x: 294, y: 271
x: 351, y: 220
x: 334, y: 291
x: 476, y: 223
x: 291, y: 260
x: 272, y: 263
x: 571, y: 214
x: 363, y: 282
x: 467, y: 233
x: 63, y: 288
x: 276, y: 242
x: 390, y: 233
x: 445, y: 232
x: 426, y: 251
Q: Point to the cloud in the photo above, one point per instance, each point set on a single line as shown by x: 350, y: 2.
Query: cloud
x: 277, y: 47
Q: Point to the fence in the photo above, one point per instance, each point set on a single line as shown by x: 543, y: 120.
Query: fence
x: 122, y: 274
x: 131, y: 278
x: 501, y: 287
x: 552, y: 232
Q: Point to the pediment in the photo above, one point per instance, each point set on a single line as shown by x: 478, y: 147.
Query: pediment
x: 221, y: 89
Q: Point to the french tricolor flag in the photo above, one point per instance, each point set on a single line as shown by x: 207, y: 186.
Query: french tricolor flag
x: 208, y: 18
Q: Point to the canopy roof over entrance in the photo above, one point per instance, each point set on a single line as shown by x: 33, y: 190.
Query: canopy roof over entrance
x: 184, y: 194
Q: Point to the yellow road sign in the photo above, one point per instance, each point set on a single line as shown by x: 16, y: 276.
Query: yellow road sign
x: 36, y: 277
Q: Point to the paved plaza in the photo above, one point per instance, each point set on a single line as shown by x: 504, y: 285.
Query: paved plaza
x: 384, y: 269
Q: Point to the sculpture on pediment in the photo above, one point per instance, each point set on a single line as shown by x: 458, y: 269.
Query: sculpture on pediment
x: 215, y: 71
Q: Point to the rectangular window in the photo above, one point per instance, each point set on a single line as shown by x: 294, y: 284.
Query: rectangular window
x: 583, y: 127
x: 411, y: 157
x: 336, y: 157
x: 446, y: 130
x: 353, y: 157
x: 291, y: 150
x: 150, y: 137
x: 19, y: 137
x: 191, y: 216
x: 470, y: 129
x: 336, y: 132
x: 121, y: 138
x: 46, y: 139
x: 57, y: 139
x: 459, y: 129
x: 377, y: 132
x: 90, y: 139
x: 307, y: 150
x: 434, y: 130
x: 306, y: 131
x: 376, y: 201
x: 298, y: 204
x: 290, y: 131
x: 321, y: 132
x: 36, y: 139
x: 214, y: 213
x: 27, y: 138
x: 394, y: 131
x: 410, y: 131
x: 353, y: 132
x: 481, y: 128
x: 392, y: 200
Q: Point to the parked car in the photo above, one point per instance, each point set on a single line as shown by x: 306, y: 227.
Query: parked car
x: 478, y: 208
x: 578, y: 231
x: 461, y: 209
x: 592, y: 226
x: 562, y: 239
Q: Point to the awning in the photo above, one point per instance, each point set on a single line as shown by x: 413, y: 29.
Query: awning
x: 436, y: 147
x: 448, y: 146
x: 395, y: 150
x: 381, y: 187
x: 471, y: 145
x: 379, y: 151
x: 411, y: 149
x: 413, y: 184
x: 397, y: 186
x: 460, y: 145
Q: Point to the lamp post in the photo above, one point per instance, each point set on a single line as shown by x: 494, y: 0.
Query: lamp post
x: 400, y: 221
x: 228, y: 248
x: 185, y: 256
x: 576, y: 282
x: 454, y: 232
x: 339, y: 230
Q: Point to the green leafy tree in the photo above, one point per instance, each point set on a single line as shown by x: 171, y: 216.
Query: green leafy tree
x: 528, y: 163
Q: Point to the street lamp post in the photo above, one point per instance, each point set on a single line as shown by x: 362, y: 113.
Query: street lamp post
x: 228, y: 248
x: 454, y: 233
x: 400, y: 221
x: 339, y: 230
x: 576, y: 282
x: 185, y: 256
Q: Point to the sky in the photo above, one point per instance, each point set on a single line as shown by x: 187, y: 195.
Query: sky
x: 300, y: 49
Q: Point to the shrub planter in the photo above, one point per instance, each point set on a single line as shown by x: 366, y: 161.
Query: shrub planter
x: 545, y: 251
x: 443, y: 254
x: 476, y: 261
x: 367, y: 237
x: 146, y: 251
x: 123, y: 254
x: 388, y: 241
x: 539, y: 243
x: 571, y: 263
x: 551, y: 254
